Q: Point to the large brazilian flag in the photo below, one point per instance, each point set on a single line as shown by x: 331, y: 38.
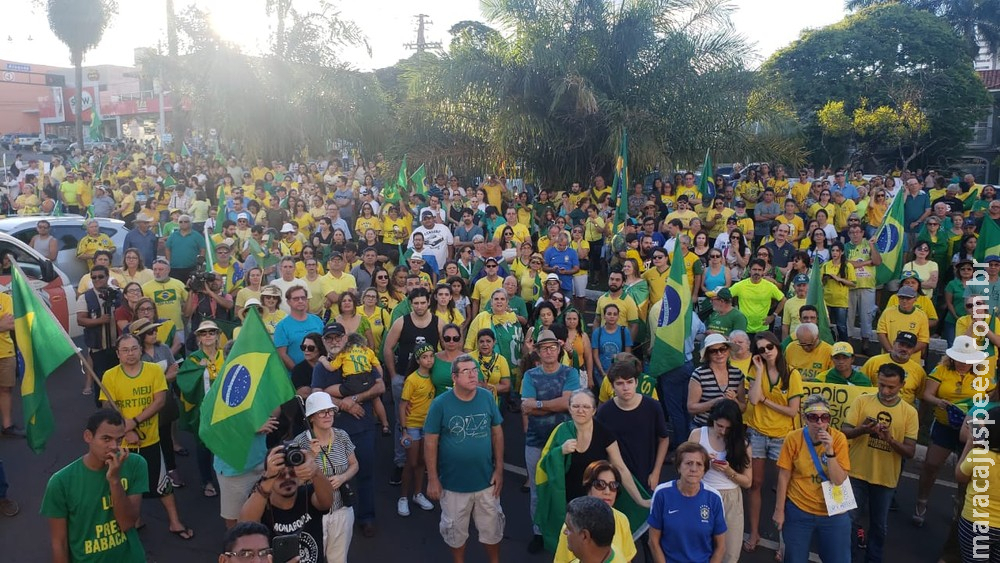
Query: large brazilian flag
x: 989, y: 240
x: 252, y: 383
x: 34, y: 326
x: 673, y: 323
x: 889, y: 240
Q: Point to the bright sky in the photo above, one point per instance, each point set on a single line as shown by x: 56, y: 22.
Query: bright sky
x: 771, y: 24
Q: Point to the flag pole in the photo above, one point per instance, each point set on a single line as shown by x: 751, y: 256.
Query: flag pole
x: 84, y: 361
x: 208, y: 245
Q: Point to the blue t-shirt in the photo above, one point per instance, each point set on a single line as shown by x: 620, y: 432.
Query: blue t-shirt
x: 688, y: 524
x: 913, y: 208
x: 465, y: 445
x: 541, y: 386
x: 608, y: 344
x: 185, y: 249
x: 569, y: 259
x: 290, y: 332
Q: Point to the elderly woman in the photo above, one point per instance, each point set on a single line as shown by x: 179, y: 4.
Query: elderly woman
x: 570, y: 449
x: 335, y: 457
x: 603, y: 481
x: 714, y: 381
x: 809, y: 457
x: 687, y: 519
x: 724, y: 438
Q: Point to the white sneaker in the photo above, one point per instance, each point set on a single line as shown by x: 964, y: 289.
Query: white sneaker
x: 403, y: 506
x: 423, y: 502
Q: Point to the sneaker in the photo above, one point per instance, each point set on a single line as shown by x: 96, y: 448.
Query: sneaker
x: 403, y: 506
x: 12, y: 431
x: 862, y: 539
x: 9, y: 507
x: 536, y: 544
x: 423, y: 501
x: 397, y: 477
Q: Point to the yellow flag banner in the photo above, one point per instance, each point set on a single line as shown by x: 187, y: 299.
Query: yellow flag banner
x: 840, y: 397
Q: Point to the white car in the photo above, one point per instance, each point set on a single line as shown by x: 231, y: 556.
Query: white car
x: 51, y: 284
x: 68, y: 230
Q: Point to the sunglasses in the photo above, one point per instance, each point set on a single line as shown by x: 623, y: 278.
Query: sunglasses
x: 602, y: 485
x: 451, y: 338
x: 718, y: 350
x: 766, y: 347
x: 98, y: 277
x: 308, y: 348
x: 815, y: 417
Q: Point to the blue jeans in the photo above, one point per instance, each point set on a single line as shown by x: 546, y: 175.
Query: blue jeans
x: 364, y: 450
x: 3, y: 482
x: 673, y: 389
x: 948, y: 332
x: 838, y: 317
x: 398, y: 452
x: 878, y: 498
x: 531, y: 457
x: 833, y: 535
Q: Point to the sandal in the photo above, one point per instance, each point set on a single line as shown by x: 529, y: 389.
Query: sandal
x: 87, y: 391
x: 187, y: 534
x: 385, y: 431
x: 749, y: 546
x: 209, y: 491
x: 919, y: 513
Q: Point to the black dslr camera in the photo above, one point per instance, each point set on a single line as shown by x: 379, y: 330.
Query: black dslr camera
x: 199, y: 280
x: 294, y: 455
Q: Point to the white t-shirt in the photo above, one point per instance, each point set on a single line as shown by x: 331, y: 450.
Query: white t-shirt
x: 283, y: 286
x: 437, y: 239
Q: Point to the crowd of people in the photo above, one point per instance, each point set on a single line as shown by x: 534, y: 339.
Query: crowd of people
x: 429, y: 314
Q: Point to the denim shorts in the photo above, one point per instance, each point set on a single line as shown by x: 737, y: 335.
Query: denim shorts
x: 946, y: 436
x: 415, y: 433
x: 764, y: 447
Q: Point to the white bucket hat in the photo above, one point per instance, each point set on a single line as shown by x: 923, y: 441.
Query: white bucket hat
x: 714, y: 340
x: 319, y: 401
x: 965, y: 350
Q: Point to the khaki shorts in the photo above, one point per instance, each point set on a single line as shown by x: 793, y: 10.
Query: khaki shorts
x: 233, y: 491
x: 456, y: 508
x: 8, y: 371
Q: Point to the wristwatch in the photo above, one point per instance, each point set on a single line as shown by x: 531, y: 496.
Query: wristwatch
x: 538, y: 404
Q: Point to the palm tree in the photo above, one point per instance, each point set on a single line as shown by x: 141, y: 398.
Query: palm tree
x: 974, y: 21
x: 80, y: 24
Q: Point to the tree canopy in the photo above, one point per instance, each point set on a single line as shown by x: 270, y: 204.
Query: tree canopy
x: 972, y: 20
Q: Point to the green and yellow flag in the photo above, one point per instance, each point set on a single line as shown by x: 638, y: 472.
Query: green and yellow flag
x: 989, y: 240
x: 814, y: 297
x: 418, y: 178
x: 673, y: 323
x: 402, y: 178
x: 34, y: 325
x: 890, y: 240
x: 620, y: 187
x: 252, y: 383
x: 706, y: 184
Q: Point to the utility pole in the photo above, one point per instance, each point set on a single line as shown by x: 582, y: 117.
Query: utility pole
x: 422, y: 45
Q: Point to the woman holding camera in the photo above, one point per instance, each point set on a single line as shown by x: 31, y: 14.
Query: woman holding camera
x: 335, y: 457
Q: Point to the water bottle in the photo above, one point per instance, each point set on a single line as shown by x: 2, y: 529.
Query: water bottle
x: 583, y: 379
x: 405, y: 439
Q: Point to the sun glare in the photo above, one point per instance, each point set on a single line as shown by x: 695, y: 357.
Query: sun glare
x: 242, y: 22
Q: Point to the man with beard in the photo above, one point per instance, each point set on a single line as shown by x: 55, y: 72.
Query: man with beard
x: 629, y: 312
x: 292, y: 500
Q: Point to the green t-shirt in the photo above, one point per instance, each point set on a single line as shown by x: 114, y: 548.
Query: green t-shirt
x: 755, y: 301
x: 441, y: 377
x: 515, y: 303
x: 857, y: 378
x: 82, y: 496
x: 728, y: 322
x: 957, y: 291
x: 465, y: 446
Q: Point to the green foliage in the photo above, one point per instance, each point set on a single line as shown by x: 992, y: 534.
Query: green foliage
x: 875, y: 59
x: 972, y: 20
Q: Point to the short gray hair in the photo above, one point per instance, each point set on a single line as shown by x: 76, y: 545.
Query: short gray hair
x: 463, y: 359
x: 593, y: 515
x: 809, y: 329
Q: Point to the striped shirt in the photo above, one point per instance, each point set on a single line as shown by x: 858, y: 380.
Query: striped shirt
x: 333, y: 458
x: 710, y: 387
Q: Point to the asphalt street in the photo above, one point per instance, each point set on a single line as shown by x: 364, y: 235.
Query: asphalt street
x: 24, y: 538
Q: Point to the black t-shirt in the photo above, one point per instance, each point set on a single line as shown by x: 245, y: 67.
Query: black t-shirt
x: 303, y: 519
x: 638, y: 432
x: 597, y: 451
x: 302, y: 375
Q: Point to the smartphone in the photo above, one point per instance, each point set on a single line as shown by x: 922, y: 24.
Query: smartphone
x: 285, y: 548
x: 869, y: 420
x: 719, y: 461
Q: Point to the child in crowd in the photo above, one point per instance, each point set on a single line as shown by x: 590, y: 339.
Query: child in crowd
x: 358, y: 363
x: 418, y: 392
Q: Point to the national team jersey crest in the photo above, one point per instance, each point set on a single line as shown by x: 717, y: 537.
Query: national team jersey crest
x: 705, y: 513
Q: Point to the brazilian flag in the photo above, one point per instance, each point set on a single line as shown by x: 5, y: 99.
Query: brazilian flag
x: 989, y: 240
x: 889, y: 240
x: 814, y: 297
x: 252, y: 383
x: 706, y: 184
x: 673, y: 320
x: 620, y: 187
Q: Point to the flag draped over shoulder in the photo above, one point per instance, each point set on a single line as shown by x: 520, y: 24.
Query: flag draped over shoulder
x: 814, y: 297
x: 35, y: 326
x: 706, y: 184
x: 620, y: 187
x: 252, y: 383
x: 190, y: 380
x: 989, y: 240
x: 673, y: 324
x: 889, y: 241
x: 550, y: 484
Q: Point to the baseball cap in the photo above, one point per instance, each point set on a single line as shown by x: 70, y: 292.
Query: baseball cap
x: 842, y: 349
x: 909, y: 274
x: 426, y: 213
x: 992, y: 258
x: 243, y: 216
x: 287, y: 228
x: 335, y: 254
x: 334, y: 328
x: 724, y: 294
x: 490, y: 259
x: 908, y: 338
x: 906, y: 291
x: 970, y: 222
x: 741, y: 203
x: 422, y: 349
x: 419, y: 257
x: 800, y: 279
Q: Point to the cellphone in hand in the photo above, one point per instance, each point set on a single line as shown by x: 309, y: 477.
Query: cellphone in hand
x: 285, y: 548
x: 869, y: 420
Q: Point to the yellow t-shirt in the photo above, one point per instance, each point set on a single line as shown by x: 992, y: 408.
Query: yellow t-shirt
x: 356, y: 360
x: 766, y: 420
x: 628, y: 311
x: 578, y: 246
x: 454, y: 316
x: 984, y: 480
x: 6, y: 341
x: 955, y: 388
x: 834, y: 292
x: 872, y: 459
x: 720, y: 218
x: 318, y: 290
x: 89, y: 245
x: 913, y: 387
x: 657, y: 282
x: 494, y: 193
x: 684, y: 216
x: 492, y: 369
x: 362, y: 224
x: 749, y: 192
x: 795, y: 224
x: 484, y: 288
x: 169, y: 297
x: 340, y: 285
x: 790, y: 314
x: 133, y: 394
x: 811, y: 365
x: 923, y: 303
x: 780, y: 187
x: 844, y: 210
x: 622, y: 544
x: 395, y: 232
x: 892, y: 321
x: 804, y: 488
x: 419, y: 391
x: 830, y: 208
x: 487, y: 320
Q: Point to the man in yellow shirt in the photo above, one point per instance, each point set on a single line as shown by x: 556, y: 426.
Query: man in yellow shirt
x: 485, y: 286
x: 8, y: 367
x: 93, y: 241
x: 901, y: 355
x: 656, y: 277
x: 845, y: 206
x: 808, y: 354
x: 599, y: 190
x: 791, y: 218
x: 683, y: 213
x: 904, y: 317
x: 338, y: 283
x: 628, y: 311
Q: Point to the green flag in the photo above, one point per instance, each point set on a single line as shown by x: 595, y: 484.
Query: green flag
x: 706, y: 184
x: 95, y: 126
x: 989, y: 240
x: 220, y: 211
x: 672, y: 315
x: 402, y: 178
x: 889, y: 240
x: 814, y: 297
x: 252, y: 383
x: 185, y: 151
x: 190, y: 381
x: 418, y: 178
x: 34, y: 324
x: 550, y: 513
x: 620, y: 187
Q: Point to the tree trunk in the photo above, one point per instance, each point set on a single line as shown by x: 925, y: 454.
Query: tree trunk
x: 176, y: 129
x: 78, y: 103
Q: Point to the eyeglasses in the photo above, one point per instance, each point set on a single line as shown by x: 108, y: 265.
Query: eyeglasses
x: 491, y: 265
x: 815, y: 417
x: 250, y: 554
x: 308, y: 347
x: 451, y: 338
x: 581, y: 407
x: 134, y: 291
x: 766, y: 347
x: 325, y: 412
x: 601, y: 485
x: 715, y: 256
x: 101, y: 277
